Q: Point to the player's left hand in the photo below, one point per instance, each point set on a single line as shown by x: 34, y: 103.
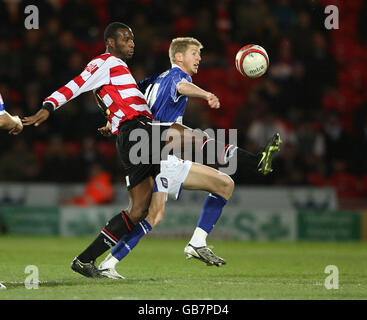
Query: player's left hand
x: 106, y: 131
x: 213, y: 101
x: 37, y: 118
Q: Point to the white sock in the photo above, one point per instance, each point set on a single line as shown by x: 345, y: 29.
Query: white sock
x: 109, y: 263
x: 198, y: 239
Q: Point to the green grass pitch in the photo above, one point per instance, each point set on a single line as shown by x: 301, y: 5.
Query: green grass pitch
x: 157, y: 269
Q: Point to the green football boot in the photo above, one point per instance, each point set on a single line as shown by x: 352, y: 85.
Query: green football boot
x: 267, y: 154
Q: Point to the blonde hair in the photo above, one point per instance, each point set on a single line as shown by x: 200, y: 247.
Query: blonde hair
x: 181, y: 45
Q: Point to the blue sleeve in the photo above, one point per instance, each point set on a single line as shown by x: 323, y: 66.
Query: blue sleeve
x: 2, y: 109
x: 155, y: 188
x: 177, y: 77
x: 143, y: 84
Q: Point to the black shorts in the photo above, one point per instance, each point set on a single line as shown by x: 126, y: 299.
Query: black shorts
x: 139, y: 143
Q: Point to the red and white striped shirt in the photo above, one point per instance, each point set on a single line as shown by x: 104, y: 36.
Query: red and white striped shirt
x: 112, y: 80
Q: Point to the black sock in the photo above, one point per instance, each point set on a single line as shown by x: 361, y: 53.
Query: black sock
x: 225, y: 152
x: 247, y: 159
x: 115, y: 228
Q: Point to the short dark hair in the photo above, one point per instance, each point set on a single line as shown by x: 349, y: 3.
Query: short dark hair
x: 110, y: 31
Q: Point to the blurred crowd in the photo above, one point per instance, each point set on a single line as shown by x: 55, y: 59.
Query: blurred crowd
x: 313, y: 93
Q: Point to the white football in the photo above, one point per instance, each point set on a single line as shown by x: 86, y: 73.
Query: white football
x: 252, y: 61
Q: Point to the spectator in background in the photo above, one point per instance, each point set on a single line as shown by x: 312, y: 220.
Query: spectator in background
x: 9, y: 61
x: 257, y: 105
x: 262, y: 129
x: 149, y: 41
x: 121, y: 11
x: 203, y: 29
x: 289, y: 167
x: 295, y: 100
x: 82, y: 19
x: 29, y: 52
x: 300, y: 84
x: 74, y: 66
x: 345, y: 183
x: 88, y: 156
x: 56, y: 161
x: 284, y: 14
x: 270, y: 92
x: 302, y: 45
x: 282, y: 67
x: 204, y: 25
x: 32, y: 98
x: 320, y: 68
x: 98, y: 189
x: 248, y: 18
x: 359, y: 164
x: 309, y: 146
x: 337, y: 142
x: 43, y: 72
x: 19, y: 163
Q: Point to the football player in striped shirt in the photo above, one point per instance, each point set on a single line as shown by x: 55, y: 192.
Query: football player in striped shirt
x: 126, y: 110
x: 9, y: 122
x: 167, y: 94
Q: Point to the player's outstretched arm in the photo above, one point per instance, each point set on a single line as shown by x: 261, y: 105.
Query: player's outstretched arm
x: 94, y: 75
x: 37, y: 118
x: 191, y: 90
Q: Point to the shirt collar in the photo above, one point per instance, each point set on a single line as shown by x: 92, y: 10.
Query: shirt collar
x: 174, y: 65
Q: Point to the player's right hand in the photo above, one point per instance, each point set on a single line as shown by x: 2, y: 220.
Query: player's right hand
x: 37, y: 118
x: 18, y: 126
x: 213, y: 101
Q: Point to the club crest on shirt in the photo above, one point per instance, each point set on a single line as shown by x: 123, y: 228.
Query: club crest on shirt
x: 91, y: 67
x: 164, y: 182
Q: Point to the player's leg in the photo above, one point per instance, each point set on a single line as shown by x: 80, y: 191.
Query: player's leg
x: 202, y: 177
x: 139, y: 182
x: 128, y: 243
x: 191, y: 176
x: 120, y: 225
x: 220, y: 187
x: 183, y: 141
x: 185, y: 136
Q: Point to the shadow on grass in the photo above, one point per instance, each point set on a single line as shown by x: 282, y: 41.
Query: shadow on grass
x: 80, y: 282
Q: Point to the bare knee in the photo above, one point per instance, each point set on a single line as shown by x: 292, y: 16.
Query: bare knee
x: 225, y: 186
